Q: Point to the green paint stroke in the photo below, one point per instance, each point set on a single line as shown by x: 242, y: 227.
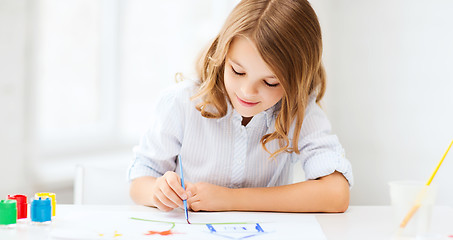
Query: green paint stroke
x: 157, y: 221
x: 173, y: 223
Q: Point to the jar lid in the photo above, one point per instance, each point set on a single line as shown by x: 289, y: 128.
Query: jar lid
x: 41, y: 202
x: 21, y: 199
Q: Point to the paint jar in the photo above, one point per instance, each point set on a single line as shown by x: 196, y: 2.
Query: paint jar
x: 52, y: 196
x: 8, y: 213
x: 403, y: 195
x: 21, y: 206
x: 41, y: 211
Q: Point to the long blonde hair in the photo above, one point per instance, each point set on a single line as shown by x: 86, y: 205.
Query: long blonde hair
x: 287, y: 34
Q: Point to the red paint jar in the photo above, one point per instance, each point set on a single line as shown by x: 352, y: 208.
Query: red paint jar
x: 21, y: 205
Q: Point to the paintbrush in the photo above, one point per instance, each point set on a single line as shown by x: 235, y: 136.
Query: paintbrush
x: 183, y: 186
x: 421, y: 195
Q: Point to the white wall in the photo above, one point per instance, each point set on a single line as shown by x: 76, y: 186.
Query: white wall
x: 390, y: 87
x: 13, y: 64
x: 78, y: 77
x: 389, y: 97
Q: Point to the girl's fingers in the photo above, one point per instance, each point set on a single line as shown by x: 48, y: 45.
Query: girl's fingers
x: 164, y: 192
x: 190, y: 190
x: 162, y: 207
x: 162, y: 198
x: 192, y: 200
x: 175, y: 184
x: 170, y: 196
x: 195, y: 206
x: 169, y: 193
x: 158, y: 203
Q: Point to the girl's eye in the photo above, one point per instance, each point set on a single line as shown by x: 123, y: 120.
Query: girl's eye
x: 237, y: 73
x: 271, y: 85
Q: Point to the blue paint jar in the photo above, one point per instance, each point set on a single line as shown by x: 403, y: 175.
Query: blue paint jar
x: 41, y: 211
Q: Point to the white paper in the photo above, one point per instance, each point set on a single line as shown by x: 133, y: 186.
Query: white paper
x: 84, y: 225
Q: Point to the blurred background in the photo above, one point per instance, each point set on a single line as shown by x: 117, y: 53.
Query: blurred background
x: 78, y: 78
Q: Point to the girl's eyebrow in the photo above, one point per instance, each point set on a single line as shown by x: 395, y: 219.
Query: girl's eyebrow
x: 236, y: 63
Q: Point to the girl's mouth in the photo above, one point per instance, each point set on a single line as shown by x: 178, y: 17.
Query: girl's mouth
x: 246, y: 103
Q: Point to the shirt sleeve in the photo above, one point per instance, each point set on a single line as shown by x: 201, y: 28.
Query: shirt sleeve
x: 320, y: 151
x: 161, y: 143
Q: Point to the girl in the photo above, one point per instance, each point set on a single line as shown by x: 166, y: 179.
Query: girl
x: 249, y: 118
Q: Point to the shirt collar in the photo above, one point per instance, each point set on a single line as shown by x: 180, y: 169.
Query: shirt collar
x: 269, y: 114
x: 229, y: 112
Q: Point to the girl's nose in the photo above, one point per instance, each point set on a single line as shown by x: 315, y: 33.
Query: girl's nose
x: 248, y: 89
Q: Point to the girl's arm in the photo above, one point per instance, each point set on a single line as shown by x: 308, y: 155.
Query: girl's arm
x: 140, y: 190
x: 326, y: 194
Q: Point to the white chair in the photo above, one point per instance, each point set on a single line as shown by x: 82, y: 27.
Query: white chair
x: 101, y: 183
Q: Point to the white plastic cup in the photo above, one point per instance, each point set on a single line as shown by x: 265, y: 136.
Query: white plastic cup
x: 403, y: 195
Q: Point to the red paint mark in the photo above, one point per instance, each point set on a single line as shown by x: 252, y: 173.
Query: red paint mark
x: 163, y: 233
x: 450, y: 236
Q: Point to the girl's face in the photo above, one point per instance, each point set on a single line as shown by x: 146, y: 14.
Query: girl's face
x: 251, y: 86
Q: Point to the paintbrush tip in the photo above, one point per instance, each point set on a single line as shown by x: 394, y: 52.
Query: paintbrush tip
x: 188, y: 221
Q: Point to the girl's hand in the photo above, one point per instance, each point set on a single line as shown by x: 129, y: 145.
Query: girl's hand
x: 168, y: 192
x: 209, y: 197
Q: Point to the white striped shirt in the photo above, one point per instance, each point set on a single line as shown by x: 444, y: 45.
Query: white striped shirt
x: 225, y: 153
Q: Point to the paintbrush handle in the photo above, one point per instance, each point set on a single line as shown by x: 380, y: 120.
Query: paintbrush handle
x: 438, y: 165
x: 186, y: 211
x: 421, y: 195
x: 418, y: 202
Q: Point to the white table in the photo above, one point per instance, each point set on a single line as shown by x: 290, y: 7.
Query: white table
x: 359, y: 222
x: 377, y: 222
